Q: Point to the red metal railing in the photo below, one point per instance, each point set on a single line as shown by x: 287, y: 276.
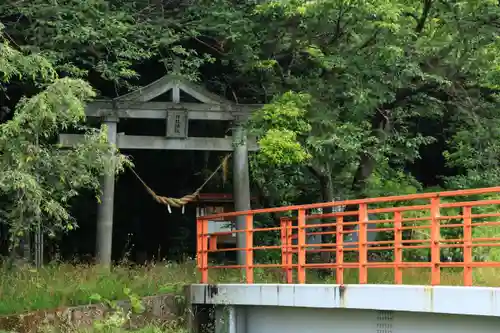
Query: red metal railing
x: 460, y: 221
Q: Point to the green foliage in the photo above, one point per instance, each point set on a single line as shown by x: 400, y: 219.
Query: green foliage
x: 135, y: 302
x: 387, y: 181
x: 107, y: 38
x: 377, y: 74
x: 118, y: 318
x: 14, y: 64
x: 37, y: 178
x: 281, y: 147
x: 279, y: 126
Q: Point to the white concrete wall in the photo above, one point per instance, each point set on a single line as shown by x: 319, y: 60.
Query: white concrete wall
x: 306, y: 320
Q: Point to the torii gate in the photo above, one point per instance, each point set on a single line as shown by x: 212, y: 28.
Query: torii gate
x: 138, y: 105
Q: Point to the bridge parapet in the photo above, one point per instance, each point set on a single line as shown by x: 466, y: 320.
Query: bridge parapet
x: 299, y: 308
x: 475, y: 301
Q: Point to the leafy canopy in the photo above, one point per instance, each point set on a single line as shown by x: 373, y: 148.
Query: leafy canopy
x: 38, y: 178
x: 378, y: 75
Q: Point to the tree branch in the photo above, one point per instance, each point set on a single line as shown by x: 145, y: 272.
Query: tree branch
x: 316, y: 172
x: 423, y: 17
x: 212, y: 47
x: 369, y: 41
x: 381, y: 127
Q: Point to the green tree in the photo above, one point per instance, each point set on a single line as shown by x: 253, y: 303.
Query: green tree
x: 353, y: 87
x: 37, y: 177
x: 375, y: 72
x: 104, y: 41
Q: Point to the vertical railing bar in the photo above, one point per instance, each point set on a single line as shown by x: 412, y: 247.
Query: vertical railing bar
x: 284, y: 245
x: 339, y: 255
x: 301, y: 240
x: 398, y: 248
x: 467, y: 246
x: 362, y: 243
x: 435, y: 239
x: 249, y: 248
x: 289, y: 260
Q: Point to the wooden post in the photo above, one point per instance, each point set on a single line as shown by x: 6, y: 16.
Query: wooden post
x: 241, y: 187
x: 105, y: 210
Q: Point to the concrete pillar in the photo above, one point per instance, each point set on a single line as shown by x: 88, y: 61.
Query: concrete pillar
x: 221, y: 324
x: 240, y: 314
x: 230, y: 319
x: 105, y: 210
x: 241, y: 185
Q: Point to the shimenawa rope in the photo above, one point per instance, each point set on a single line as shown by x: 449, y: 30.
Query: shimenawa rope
x: 180, y: 202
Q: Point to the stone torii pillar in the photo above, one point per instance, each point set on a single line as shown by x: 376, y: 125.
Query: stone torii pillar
x: 241, y: 186
x: 105, y: 209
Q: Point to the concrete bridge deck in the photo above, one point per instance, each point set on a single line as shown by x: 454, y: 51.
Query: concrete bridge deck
x: 296, y: 308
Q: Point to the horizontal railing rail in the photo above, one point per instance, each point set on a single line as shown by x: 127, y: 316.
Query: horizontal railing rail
x: 453, y: 230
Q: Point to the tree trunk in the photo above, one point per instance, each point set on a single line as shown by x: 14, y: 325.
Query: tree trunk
x: 267, y: 202
x: 326, y: 183
x: 381, y: 127
x: 326, y: 189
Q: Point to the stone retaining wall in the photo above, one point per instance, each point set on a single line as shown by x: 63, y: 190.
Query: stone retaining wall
x: 161, y: 308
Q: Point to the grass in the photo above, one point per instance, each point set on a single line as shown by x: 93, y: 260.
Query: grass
x: 57, y: 285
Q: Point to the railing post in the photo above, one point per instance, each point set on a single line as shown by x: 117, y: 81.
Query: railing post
x: 249, y: 248
x: 362, y: 245
x: 204, y: 251
x: 435, y: 239
x: 199, y: 240
x: 301, y: 242
x: 339, y: 255
x: 398, y: 248
x: 467, y: 213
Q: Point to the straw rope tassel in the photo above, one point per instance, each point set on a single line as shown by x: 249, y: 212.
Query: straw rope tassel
x: 225, y: 170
